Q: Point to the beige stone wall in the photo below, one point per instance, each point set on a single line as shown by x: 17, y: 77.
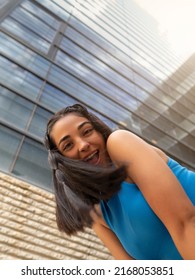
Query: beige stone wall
x: 28, y: 229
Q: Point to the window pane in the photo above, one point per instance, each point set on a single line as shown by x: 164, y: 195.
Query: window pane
x: 146, y: 113
x: 14, y: 109
x: 98, y: 82
x: 187, y: 103
x: 173, y: 116
x: 162, y: 96
x: 87, y: 94
x: 87, y: 16
x: 184, y: 111
x: 155, y: 104
x: 95, y: 64
x: 9, y: 142
x: 184, y: 153
x: 32, y: 164
x: 2, y: 3
x: 41, y: 14
x: 66, y: 5
x: 55, y: 8
x: 168, y: 127
x: 140, y: 81
x: 55, y: 99
x: 187, y: 125
x: 38, y: 123
x: 26, y: 34
x: 98, y: 40
x: 157, y: 137
x: 33, y: 23
x: 93, y: 48
x: 19, y: 79
x: 23, y: 55
x: 113, y: 126
x: 145, y: 73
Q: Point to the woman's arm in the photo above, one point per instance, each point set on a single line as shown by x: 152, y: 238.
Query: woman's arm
x: 110, y: 240
x: 159, y: 186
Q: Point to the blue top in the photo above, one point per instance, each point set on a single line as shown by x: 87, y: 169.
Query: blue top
x: 140, y: 231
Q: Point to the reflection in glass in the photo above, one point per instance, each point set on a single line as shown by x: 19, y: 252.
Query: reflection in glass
x: 99, y: 83
x: 26, y: 34
x: 55, y: 99
x: 38, y: 122
x: 157, y: 137
x: 146, y: 113
x: 156, y: 105
x: 33, y: 23
x: 99, y: 41
x: 98, y: 65
x: 9, y: 142
x: 60, y: 8
x: 187, y: 125
x: 14, y: 109
x: 3, y: 3
x: 44, y: 16
x: 93, y: 14
x: 23, y: 55
x: 32, y: 165
x: 86, y: 94
x: 184, y: 153
x: 173, y: 116
x: 19, y: 79
x: 101, y: 31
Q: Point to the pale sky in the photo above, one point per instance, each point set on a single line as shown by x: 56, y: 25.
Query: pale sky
x: 176, y: 20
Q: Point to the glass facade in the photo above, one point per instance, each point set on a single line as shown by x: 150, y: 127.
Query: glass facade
x: 105, y: 54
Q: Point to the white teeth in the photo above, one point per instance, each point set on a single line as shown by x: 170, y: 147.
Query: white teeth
x: 89, y: 157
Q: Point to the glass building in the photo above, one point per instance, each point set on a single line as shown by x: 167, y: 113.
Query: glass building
x: 105, y: 54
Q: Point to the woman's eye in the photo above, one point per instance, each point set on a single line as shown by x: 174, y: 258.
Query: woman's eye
x: 88, y: 131
x: 67, y: 146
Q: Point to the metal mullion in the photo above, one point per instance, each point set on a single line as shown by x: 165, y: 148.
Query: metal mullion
x: 16, y: 155
x: 57, y: 40
x: 8, y: 8
x: 21, y: 41
x: 20, y: 131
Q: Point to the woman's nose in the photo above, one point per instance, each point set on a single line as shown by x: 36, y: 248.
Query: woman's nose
x: 83, y: 146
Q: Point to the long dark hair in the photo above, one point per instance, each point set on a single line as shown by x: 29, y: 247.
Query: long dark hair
x: 78, y: 185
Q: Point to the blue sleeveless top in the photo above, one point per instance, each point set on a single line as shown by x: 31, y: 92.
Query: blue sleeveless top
x: 140, y: 231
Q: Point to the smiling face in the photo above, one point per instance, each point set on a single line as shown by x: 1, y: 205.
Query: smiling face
x: 76, y: 138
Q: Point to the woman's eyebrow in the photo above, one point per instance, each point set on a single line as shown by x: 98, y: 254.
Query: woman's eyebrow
x: 68, y: 136
x: 82, y: 124
x: 63, y: 139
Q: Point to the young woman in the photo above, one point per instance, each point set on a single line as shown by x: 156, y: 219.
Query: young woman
x: 139, y: 201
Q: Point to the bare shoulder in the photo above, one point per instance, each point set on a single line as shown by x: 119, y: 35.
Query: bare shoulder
x: 120, y: 134
x: 117, y: 140
x: 121, y: 139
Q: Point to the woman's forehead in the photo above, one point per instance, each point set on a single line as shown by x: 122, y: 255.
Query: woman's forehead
x: 68, y: 121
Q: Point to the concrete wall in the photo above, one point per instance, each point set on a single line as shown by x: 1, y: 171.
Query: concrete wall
x: 28, y: 229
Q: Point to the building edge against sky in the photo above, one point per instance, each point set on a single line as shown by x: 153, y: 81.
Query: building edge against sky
x: 106, y: 54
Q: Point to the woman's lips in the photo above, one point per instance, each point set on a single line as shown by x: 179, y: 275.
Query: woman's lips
x: 93, y: 158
